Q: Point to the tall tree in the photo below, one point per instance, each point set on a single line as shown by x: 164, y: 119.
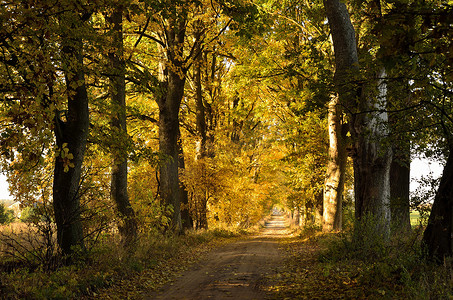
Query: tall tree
x: 366, y: 110
x: 48, y: 90
x: 336, y: 168
x: 173, y: 23
x: 71, y: 134
x: 119, y: 194
x: 172, y: 78
x: 437, y: 236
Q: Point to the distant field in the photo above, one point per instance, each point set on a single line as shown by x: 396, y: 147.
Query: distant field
x: 415, y: 216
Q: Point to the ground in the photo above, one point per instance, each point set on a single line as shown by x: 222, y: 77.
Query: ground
x: 279, y: 264
x: 240, y: 270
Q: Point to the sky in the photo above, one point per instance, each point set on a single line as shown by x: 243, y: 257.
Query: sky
x: 4, y: 194
x: 419, y: 167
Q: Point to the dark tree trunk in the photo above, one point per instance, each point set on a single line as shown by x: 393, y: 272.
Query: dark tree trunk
x: 202, y: 222
x: 127, y: 220
x: 438, y: 234
x: 186, y: 217
x: 399, y: 190
x: 168, y: 146
x: 71, y: 139
x: 367, y: 124
x: 172, y: 78
x: 200, y: 112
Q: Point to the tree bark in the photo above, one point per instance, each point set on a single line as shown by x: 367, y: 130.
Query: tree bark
x: 172, y: 78
x: 438, y: 233
x: 200, y: 155
x: 368, y: 121
x: 127, y: 220
x: 168, y: 146
x: 399, y: 190
x: 186, y: 218
x: 200, y: 112
x: 373, y: 160
x: 336, y: 167
x: 71, y: 138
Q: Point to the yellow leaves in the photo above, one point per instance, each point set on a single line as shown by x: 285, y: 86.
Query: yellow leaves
x: 66, y: 157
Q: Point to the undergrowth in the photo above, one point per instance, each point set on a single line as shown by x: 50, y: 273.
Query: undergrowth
x: 110, y: 270
x: 361, y: 264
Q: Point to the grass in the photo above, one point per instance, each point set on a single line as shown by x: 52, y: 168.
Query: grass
x: 415, y: 218
x: 110, y: 272
x: 340, y: 266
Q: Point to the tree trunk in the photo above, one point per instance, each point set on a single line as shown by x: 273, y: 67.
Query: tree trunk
x: 168, y: 147
x: 186, y: 218
x: 172, y: 78
x: 200, y: 112
x: 367, y: 123
x: 438, y: 233
x: 336, y: 167
x: 71, y: 138
x: 200, y: 155
x: 373, y: 159
x: 399, y: 190
x: 127, y: 220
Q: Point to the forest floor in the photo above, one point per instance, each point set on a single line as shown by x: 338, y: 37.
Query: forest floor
x: 241, y: 270
x: 280, y: 263
x: 273, y: 262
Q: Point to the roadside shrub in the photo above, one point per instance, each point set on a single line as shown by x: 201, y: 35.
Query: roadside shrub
x: 361, y: 241
x: 6, y: 215
x: 28, y: 214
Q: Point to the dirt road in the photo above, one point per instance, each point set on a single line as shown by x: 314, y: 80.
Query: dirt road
x: 236, y: 271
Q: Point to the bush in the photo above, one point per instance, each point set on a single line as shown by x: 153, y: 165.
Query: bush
x: 28, y: 215
x: 6, y: 215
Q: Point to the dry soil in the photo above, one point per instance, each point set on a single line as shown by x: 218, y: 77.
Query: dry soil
x: 240, y: 270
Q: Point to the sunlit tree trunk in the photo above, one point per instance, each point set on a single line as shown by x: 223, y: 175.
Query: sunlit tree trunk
x: 127, y: 220
x: 71, y: 139
x: 336, y: 167
x: 373, y: 158
x: 368, y: 121
x: 438, y: 233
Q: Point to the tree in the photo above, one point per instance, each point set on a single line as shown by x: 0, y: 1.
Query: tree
x: 437, y: 235
x: 172, y: 79
x: 336, y: 168
x: 177, y: 54
x: 119, y: 193
x: 71, y: 134
x: 366, y: 108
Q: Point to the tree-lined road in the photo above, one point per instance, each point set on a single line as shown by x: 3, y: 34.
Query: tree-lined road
x: 239, y: 270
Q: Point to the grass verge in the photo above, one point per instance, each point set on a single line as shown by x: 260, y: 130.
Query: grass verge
x: 110, y: 273
x: 333, y: 266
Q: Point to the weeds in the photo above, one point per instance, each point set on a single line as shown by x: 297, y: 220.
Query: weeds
x: 156, y: 260
x: 360, y: 263
x: 388, y: 266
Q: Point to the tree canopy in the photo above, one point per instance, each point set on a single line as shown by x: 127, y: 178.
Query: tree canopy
x: 172, y: 115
